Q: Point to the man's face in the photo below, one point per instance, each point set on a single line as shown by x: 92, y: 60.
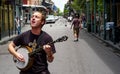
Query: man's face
x: 36, y: 20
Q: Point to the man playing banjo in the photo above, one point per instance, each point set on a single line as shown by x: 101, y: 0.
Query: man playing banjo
x: 34, y: 38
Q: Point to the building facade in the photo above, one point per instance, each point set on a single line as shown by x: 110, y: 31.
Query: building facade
x: 31, y: 5
x: 6, y: 18
x: 104, y: 24
x: 9, y: 9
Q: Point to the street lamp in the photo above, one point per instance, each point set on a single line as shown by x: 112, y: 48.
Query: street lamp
x: 104, y: 20
x: 87, y: 9
x: 88, y: 15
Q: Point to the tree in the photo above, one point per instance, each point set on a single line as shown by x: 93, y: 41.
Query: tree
x: 66, y: 10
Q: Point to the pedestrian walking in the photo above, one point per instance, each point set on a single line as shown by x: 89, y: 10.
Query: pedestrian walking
x: 25, y: 19
x: 35, y: 38
x: 76, y: 25
x: 18, y: 25
x: 83, y: 20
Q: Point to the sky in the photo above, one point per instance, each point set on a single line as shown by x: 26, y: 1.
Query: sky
x: 60, y: 4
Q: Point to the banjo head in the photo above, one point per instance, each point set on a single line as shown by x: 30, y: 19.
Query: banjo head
x: 24, y: 52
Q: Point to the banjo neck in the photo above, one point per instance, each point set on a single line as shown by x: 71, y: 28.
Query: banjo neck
x: 40, y: 48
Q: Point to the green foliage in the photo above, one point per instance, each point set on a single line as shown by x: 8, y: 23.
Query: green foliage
x: 79, y: 5
x: 66, y: 11
x: 60, y: 14
x: 100, y: 5
x: 76, y: 5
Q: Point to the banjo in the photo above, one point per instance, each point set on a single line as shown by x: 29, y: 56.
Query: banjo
x: 28, y: 52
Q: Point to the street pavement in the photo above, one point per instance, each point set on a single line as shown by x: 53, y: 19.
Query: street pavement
x: 87, y: 56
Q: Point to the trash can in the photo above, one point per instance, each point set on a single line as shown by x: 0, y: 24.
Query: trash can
x: 110, y: 31
x: 89, y: 27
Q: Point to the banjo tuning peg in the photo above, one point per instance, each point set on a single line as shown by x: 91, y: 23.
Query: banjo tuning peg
x: 63, y: 38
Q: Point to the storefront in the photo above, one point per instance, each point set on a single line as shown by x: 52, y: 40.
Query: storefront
x: 6, y: 18
x: 107, y: 18
x: 28, y: 9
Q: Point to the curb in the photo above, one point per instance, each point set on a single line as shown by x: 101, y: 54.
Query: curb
x: 107, y: 42
x: 6, y: 39
x: 116, y: 47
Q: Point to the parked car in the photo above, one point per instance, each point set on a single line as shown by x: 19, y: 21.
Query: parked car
x: 56, y: 18
x: 70, y: 18
x: 50, y: 19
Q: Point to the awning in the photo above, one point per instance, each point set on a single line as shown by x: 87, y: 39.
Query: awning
x: 47, y: 4
x: 33, y: 6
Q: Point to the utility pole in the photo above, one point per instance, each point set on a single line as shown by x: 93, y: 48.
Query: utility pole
x: 95, y: 6
x: 114, y: 16
x: 104, y: 19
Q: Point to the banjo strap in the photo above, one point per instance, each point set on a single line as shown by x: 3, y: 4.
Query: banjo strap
x: 40, y: 38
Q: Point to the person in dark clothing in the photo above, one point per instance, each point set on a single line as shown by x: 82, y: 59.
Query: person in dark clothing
x: 76, y: 24
x: 41, y: 59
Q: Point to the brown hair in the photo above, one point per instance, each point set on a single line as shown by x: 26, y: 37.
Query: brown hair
x: 43, y: 15
x: 43, y: 12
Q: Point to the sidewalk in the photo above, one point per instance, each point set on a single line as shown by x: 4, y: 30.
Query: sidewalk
x: 7, y: 38
x: 114, y: 46
x: 109, y: 43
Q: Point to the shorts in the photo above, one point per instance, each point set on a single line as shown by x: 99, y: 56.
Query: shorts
x: 76, y: 31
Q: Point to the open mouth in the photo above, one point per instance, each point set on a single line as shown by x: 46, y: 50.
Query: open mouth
x: 33, y: 22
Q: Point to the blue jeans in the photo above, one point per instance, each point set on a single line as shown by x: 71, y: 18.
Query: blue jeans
x: 19, y: 30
